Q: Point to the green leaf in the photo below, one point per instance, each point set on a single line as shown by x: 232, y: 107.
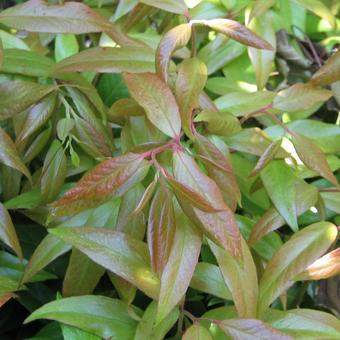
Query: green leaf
x: 27, y: 63
x: 208, y: 279
x: 115, y: 251
x: 236, y: 31
x: 180, y: 267
x: 161, y: 229
x: 82, y: 275
x: 300, y: 97
x: 219, y: 123
x: 37, y: 117
x: 8, y: 234
x: 98, y: 315
x: 191, y: 79
x: 157, y: 100
x: 174, y: 6
x: 306, y: 197
x: 49, y: 249
x: 114, y: 176
x: 176, y: 38
x: 109, y: 60
x: 73, y: 333
x: 293, y: 257
x: 219, y: 226
x: 319, y: 8
x: 9, y: 155
x: 219, y: 169
x: 313, y: 157
x: 260, y: 7
x: 53, y: 172
x: 197, y: 332
x: 241, y: 278
x: 147, y: 329
x: 24, y: 93
x: 124, y: 7
x: 7, y: 285
x: 328, y: 73
x: 266, y: 157
x: 38, y: 16
x: 66, y: 45
x: 279, y: 181
x: 262, y: 60
x: 304, y: 323
x: 251, y: 329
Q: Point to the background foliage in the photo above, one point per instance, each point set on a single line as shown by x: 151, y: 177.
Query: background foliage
x: 169, y: 169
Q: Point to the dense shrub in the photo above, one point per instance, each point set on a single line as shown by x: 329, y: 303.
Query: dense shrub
x: 169, y: 169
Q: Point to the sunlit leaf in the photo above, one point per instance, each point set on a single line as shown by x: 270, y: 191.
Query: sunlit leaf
x: 191, y: 79
x: 197, y: 332
x: 112, y: 177
x: 38, y: 16
x: 98, y: 315
x: 115, y: 251
x: 293, y: 257
x: 174, y: 6
x: 176, y: 38
x: 157, y: 100
x: 109, y: 60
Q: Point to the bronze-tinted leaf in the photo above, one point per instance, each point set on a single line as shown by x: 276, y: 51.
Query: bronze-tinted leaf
x: 110, y: 60
x: 115, y: 251
x: 112, y: 177
x: 219, y: 169
x: 219, y: 226
x: 323, y: 268
x: 300, y: 97
x: 191, y: 79
x: 303, y: 248
x: 329, y: 73
x: 17, y: 96
x: 38, y: 16
x: 313, y: 157
x: 236, y: 31
x: 240, y: 329
x: 9, y: 155
x: 149, y: 191
x: 157, y: 100
x: 8, y: 234
x: 37, y: 117
x: 241, y: 278
x: 180, y: 267
x: 176, y: 38
x: 161, y: 228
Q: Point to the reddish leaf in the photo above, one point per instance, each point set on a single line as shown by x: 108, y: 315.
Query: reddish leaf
x: 112, y: 177
x: 180, y: 267
x: 38, y: 16
x: 329, y: 73
x: 6, y: 297
x: 240, y: 329
x: 219, y: 169
x: 161, y: 228
x: 191, y: 79
x: 176, y: 38
x: 323, y: 268
x: 9, y: 155
x: 220, y: 226
x: 157, y: 100
x: 236, y: 31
